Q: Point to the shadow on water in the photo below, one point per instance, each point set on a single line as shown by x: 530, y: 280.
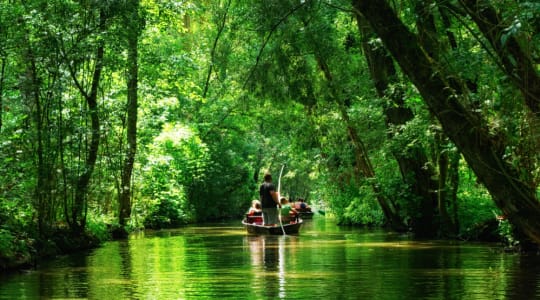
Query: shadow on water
x: 324, y: 261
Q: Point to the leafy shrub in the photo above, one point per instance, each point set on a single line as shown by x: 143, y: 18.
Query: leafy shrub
x: 167, y: 213
x: 7, y: 248
x: 176, y: 161
x: 475, y: 207
x: 364, y: 212
x: 506, y: 231
x: 355, y: 206
x: 96, y: 225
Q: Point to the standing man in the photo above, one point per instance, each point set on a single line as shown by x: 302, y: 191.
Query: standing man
x: 269, y: 201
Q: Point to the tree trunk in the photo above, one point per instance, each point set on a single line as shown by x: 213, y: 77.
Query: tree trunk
x: 446, y: 225
x: 221, y: 28
x: 413, y: 161
x: 132, y: 89
x: 363, y: 168
x: 469, y: 132
x: 31, y: 91
x: 429, y: 40
x: 79, y: 209
x: 455, y: 157
x: 2, y: 73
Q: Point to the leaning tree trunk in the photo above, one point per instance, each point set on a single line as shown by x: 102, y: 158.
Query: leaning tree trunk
x: 363, y: 164
x: 430, y: 42
x: 482, y: 149
x: 413, y: 161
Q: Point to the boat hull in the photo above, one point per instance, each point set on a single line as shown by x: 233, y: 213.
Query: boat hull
x: 293, y: 228
x: 306, y: 214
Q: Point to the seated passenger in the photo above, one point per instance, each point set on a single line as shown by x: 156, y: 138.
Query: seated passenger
x: 254, y: 214
x: 288, y: 213
x: 255, y: 209
x: 300, y: 205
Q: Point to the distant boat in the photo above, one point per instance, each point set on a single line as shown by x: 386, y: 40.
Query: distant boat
x: 254, y: 227
x: 303, y: 209
x: 306, y: 214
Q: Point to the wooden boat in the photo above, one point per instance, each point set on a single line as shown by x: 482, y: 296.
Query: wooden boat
x: 254, y: 226
x: 303, y: 209
x: 306, y: 214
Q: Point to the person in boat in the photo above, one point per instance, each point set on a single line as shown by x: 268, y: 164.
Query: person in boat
x: 269, y: 201
x: 301, y: 205
x: 288, y: 213
x: 254, y: 214
x: 255, y: 209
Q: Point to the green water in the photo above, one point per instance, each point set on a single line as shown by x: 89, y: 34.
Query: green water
x: 323, y: 262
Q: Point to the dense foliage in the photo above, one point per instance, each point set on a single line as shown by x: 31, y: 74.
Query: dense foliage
x: 227, y: 90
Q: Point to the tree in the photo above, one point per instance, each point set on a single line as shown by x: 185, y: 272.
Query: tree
x: 483, y: 149
x: 132, y: 36
x: 416, y: 171
x: 305, y: 63
x: 37, y: 71
x: 77, y: 216
x: 511, y: 47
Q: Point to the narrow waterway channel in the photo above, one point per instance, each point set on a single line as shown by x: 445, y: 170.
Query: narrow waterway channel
x: 323, y: 262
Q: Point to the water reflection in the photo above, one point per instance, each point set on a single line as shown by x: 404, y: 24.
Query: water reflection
x: 524, y: 284
x: 324, y: 261
x: 126, y: 269
x: 264, y: 262
x: 268, y: 261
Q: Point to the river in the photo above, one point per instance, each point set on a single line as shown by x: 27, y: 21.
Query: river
x: 324, y: 261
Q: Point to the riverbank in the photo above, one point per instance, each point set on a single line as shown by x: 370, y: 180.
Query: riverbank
x: 23, y: 251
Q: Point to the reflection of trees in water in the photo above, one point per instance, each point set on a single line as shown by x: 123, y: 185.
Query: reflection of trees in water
x: 432, y: 261
x: 524, y: 284
x: 68, y: 281
x: 126, y: 266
